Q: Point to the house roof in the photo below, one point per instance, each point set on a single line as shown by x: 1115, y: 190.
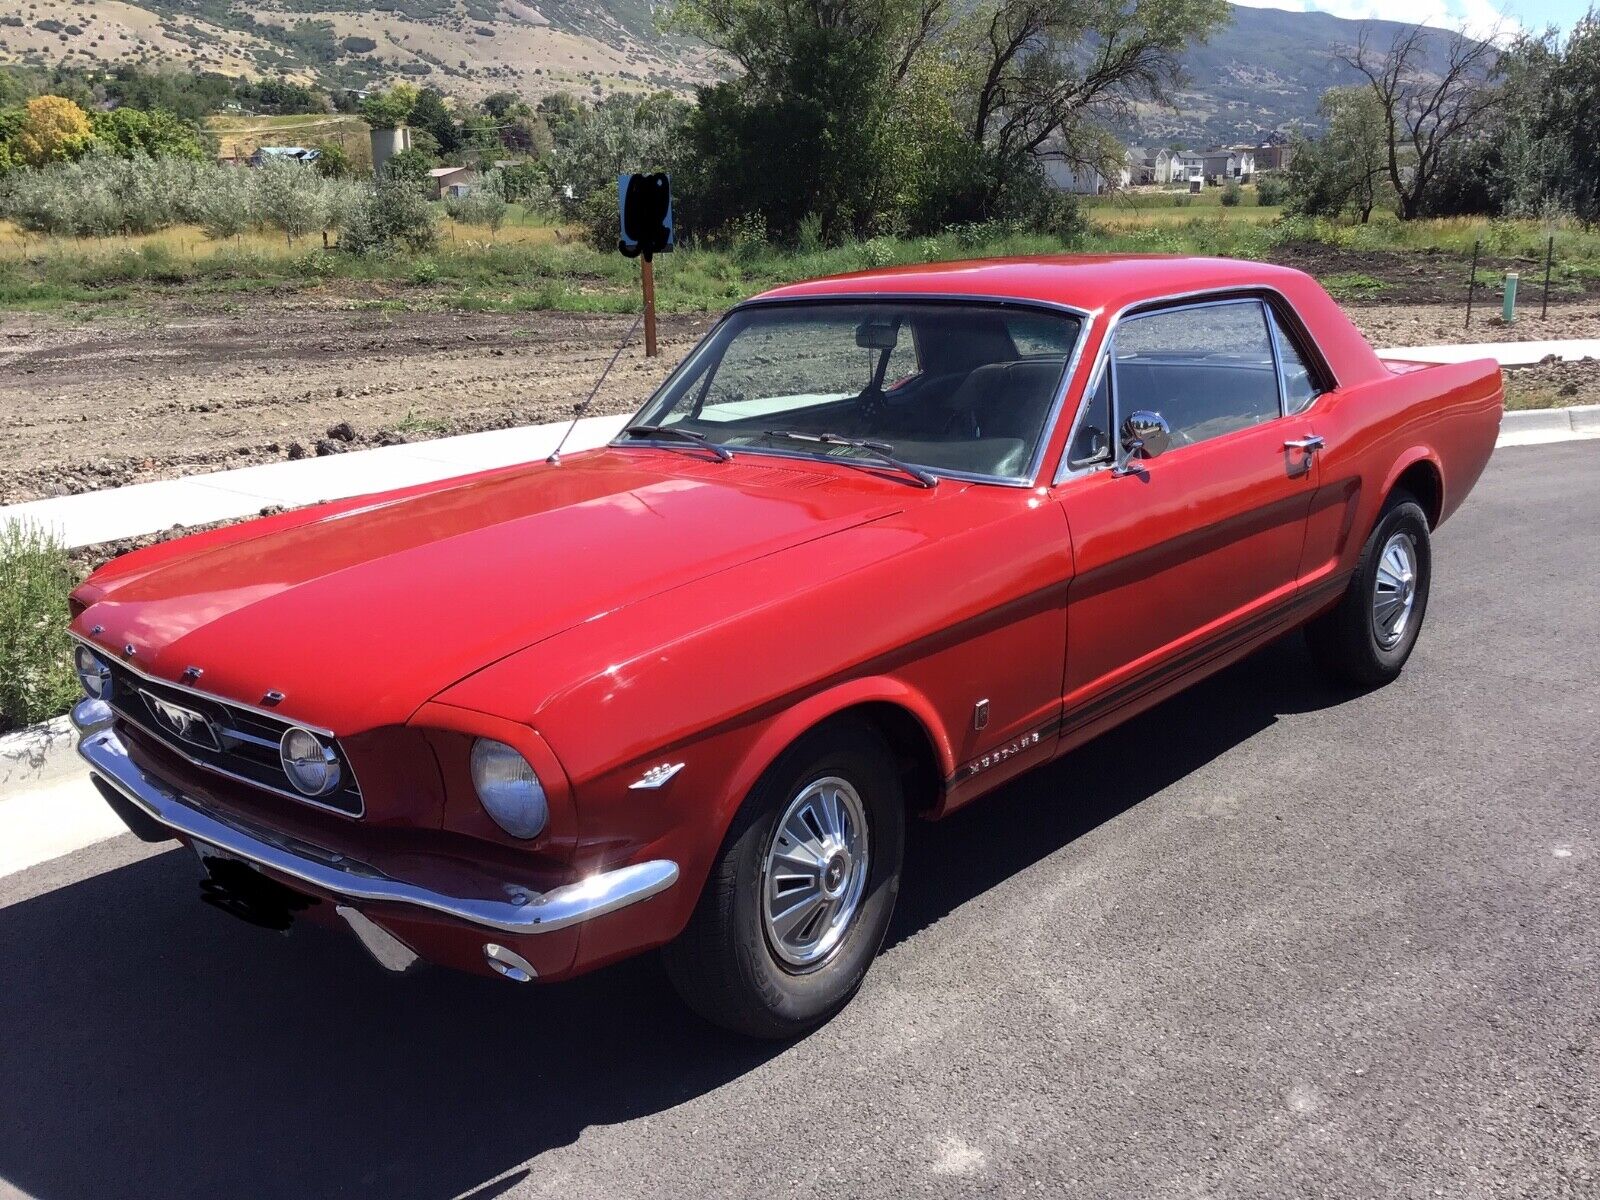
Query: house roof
x: 441, y: 172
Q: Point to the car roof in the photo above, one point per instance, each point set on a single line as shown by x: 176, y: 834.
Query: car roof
x: 1109, y: 283
x: 1092, y: 282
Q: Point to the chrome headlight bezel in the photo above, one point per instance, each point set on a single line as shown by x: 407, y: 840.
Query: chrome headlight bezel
x: 311, y: 764
x: 509, y: 789
x: 94, y: 673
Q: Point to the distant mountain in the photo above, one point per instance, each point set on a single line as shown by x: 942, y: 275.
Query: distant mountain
x: 1265, y: 71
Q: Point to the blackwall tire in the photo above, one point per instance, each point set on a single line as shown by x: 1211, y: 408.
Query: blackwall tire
x: 1367, y: 637
x: 836, y: 790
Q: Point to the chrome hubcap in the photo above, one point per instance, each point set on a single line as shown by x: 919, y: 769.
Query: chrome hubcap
x: 1394, y: 592
x: 815, y: 872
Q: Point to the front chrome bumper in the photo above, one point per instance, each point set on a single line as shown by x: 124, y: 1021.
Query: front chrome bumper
x: 520, y: 911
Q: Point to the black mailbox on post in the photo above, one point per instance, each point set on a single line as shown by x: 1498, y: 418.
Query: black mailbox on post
x: 645, y: 204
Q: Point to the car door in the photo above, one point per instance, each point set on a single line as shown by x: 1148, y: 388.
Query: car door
x: 1182, y: 555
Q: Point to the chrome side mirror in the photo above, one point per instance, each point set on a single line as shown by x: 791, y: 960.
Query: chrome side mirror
x: 1145, y: 434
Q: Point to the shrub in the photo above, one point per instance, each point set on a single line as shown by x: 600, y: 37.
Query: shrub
x: 393, y: 216
x: 36, y: 677
x: 288, y: 198
x: 1232, y: 194
x: 1271, y: 189
x: 597, y: 213
x: 482, y: 205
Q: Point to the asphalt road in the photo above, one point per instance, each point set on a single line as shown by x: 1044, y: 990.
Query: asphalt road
x: 1271, y: 939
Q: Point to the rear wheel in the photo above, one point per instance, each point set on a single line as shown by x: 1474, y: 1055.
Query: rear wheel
x: 1367, y: 637
x: 801, y: 894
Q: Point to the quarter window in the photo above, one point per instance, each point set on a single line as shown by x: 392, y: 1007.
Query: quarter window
x: 1299, y: 386
x: 1207, y: 369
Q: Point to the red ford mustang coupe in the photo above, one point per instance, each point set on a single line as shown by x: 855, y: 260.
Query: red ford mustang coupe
x: 880, y: 544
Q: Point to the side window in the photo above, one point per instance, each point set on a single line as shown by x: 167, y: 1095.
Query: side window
x: 1091, y: 443
x: 1208, y: 369
x: 1299, y: 387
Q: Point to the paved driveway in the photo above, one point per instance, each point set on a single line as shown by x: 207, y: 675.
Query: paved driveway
x: 1270, y: 939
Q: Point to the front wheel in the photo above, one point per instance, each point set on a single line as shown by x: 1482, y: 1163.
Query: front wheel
x: 1367, y: 637
x: 802, y: 891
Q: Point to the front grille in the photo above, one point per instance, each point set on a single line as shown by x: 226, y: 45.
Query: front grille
x: 230, y: 740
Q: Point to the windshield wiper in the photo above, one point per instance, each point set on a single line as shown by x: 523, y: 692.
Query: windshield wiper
x: 688, y: 435
x: 882, y: 452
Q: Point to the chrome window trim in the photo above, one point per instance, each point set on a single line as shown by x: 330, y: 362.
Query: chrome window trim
x: 287, y: 793
x: 1052, y: 418
x: 1271, y: 323
x: 1263, y: 293
x: 1279, y: 334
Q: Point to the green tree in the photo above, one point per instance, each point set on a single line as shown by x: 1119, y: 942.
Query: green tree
x: 1558, y: 105
x: 1346, y: 170
x: 864, y: 113
x: 127, y: 132
x: 409, y: 167
x: 484, y: 204
x: 333, y: 162
x: 389, y: 109
x: 430, y: 115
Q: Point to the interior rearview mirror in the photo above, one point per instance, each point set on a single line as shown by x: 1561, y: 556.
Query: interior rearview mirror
x: 878, y: 335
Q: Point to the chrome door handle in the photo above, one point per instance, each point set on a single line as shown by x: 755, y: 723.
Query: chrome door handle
x: 1309, y: 445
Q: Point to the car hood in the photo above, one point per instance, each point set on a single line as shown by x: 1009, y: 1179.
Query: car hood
x: 360, y: 615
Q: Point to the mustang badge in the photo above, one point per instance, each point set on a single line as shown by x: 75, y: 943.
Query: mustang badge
x: 183, y: 723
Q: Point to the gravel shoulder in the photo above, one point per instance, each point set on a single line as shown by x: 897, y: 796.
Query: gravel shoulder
x: 183, y: 389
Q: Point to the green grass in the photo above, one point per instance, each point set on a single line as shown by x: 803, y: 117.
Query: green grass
x: 36, y: 676
x: 531, y: 266
x: 1353, y: 285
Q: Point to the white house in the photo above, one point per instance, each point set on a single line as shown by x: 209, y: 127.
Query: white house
x: 1168, y: 166
x: 1073, y: 177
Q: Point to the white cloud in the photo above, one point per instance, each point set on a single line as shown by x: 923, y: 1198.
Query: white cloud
x: 1479, y: 17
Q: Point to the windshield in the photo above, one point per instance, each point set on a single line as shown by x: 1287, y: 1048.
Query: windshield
x: 965, y: 389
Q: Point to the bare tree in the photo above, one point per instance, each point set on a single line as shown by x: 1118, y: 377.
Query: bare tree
x: 1425, y: 109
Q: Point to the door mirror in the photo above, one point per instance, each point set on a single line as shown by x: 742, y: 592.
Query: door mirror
x: 1145, y: 434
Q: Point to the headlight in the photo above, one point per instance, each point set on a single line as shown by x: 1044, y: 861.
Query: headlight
x: 93, y: 672
x: 508, y: 789
x: 312, y: 767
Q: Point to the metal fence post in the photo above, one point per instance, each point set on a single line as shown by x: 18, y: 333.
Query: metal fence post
x: 1472, y: 285
x: 1549, y: 253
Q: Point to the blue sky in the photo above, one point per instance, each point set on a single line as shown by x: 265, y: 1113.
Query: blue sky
x: 1476, y: 14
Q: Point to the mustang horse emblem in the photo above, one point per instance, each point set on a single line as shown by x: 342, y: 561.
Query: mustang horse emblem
x: 183, y: 723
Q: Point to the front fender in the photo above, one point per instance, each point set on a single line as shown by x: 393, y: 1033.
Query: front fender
x: 784, y: 729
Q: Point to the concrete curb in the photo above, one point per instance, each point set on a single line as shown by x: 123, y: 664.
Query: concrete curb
x: 37, y: 756
x: 1530, y: 427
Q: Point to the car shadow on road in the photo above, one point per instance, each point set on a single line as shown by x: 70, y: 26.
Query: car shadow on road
x: 150, y: 1045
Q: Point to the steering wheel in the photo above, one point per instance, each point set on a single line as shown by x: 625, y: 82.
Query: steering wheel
x: 961, y: 422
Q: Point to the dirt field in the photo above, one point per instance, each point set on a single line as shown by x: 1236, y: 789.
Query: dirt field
x: 181, y: 390
x: 98, y: 405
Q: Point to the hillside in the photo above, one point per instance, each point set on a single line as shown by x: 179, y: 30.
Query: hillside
x: 1266, y: 71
